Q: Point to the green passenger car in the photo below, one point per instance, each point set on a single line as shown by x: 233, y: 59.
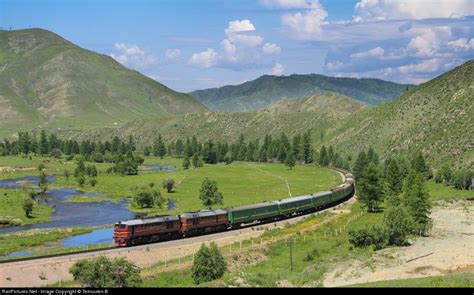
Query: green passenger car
x: 251, y: 213
x: 296, y: 204
x: 321, y: 199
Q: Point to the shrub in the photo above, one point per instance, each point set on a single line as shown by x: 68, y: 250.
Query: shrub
x: 376, y: 236
x: 208, y: 264
x: 102, y: 272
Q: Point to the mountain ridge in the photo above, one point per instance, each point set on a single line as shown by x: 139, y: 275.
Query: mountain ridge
x: 266, y: 89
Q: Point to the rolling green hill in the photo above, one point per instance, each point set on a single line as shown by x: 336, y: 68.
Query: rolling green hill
x: 316, y: 113
x: 267, y: 89
x: 436, y: 117
x: 46, y: 80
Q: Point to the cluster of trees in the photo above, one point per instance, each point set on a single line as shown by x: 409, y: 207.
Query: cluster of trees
x: 126, y: 164
x: 212, y: 152
x: 461, y: 179
x: 84, y: 173
x: 51, y: 145
x: 102, y: 272
x: 147, y: 196
x: 328, y: 157
x: 401, y: 184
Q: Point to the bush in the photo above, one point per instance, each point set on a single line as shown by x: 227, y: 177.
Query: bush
x: 28, y: 205
x: 169, y: 185
x: 376, y: 236
x: 208, y: 264
x: 102, y: 272
x: 93, y: 181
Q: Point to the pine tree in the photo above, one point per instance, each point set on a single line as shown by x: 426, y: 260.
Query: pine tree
x: 43, y: 144
x: 330, y: 156
x: 370, y: 188
x: 394, y: 178
x: 186, y: 162
x: 290, y: 161
x: 307, y: 155
x: 159, y: 148
x: 420, y: 166
x: 417, y: 201
x: 360, y: 165
x: 323, y: 157
x: 372, y: 156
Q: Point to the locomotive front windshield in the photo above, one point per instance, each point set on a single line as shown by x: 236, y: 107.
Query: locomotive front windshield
x: 121, y: 226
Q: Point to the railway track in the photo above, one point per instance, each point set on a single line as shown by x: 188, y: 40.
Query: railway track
x: 109, y: 249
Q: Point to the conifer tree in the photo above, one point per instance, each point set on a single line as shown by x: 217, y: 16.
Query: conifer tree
x: 370, y: 188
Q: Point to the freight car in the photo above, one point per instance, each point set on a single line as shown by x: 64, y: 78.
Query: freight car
x: 141, y: 231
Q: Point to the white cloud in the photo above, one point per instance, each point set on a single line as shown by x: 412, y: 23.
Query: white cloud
x: 173, y: 54
x: 277, y: 70
x: 305, y: 26
x: 204, y: 59
x: 128, y: 50
x: 242, y: 32
x: 133, y: 56
x: 376, y: 52
x: 271, y: 48
x: 228, y: 47
x: 239, y: 26
x: 400, y: 40
x: 462, y: 44
x: 426, y: 66
x: 427, y: 44
x: 238, y: 50
x: 412, y: 9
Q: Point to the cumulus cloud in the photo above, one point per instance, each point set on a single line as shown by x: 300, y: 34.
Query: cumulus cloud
x: 271, y: 48
x: 305, y: 26
x: 277, y: 70
x: 239, y: 26
x: 411, y: 9
x: 240, y: 49
x: 462, y: 44
x: 173, y: 54
x: 133, y: 56
x: 204, y: 59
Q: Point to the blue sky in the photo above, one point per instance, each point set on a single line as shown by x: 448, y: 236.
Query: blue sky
x: 190, y: 45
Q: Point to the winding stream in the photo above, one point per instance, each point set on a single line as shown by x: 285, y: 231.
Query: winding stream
x: 67, y: 214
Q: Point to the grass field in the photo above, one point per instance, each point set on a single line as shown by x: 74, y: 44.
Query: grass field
x: 439, y: 191
x: 463, y: 280
x: 22, y: 240
x: 11, y: 211
x: 240, y: 183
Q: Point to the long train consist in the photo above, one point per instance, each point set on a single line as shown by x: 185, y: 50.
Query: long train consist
x: 141, y: 231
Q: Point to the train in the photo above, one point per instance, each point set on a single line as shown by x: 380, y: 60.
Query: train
x: 164, y: 228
